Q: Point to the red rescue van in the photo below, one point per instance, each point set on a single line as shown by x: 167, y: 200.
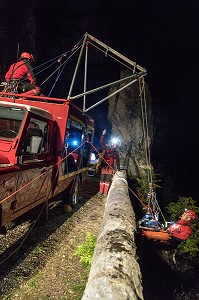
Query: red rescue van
x: 44, y: 150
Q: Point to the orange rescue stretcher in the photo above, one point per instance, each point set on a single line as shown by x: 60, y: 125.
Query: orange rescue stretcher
x: 154, y: 234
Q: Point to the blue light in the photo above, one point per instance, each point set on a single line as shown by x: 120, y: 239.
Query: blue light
x: 75, y: 143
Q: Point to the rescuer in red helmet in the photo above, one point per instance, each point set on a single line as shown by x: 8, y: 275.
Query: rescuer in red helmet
x: 172, y: 235
x: 109, y: 164
x: 21, y: 76
x: 181, y: 230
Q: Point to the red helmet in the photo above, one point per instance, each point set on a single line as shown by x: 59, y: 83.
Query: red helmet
x: 191, y: 214
x: 26, y: 55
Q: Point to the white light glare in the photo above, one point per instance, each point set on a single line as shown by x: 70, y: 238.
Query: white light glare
x: 115, y: 141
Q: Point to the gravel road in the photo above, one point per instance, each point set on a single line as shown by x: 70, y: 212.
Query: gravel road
x: 37, y: 260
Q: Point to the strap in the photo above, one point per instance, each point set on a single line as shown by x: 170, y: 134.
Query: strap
x: 13, y: 69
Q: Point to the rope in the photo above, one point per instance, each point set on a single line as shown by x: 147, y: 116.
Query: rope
x: 57, y: 77
x: 145, y: 129
x: 39, y: 176
x: 54, y: 60
x: 152, y: 200
x: 61, y: 55
x: 76, y: 49
x: 46, y: 68
x: 47, y: 198
x: 120, y: 177
x: 108, y: 54
x: 35, y: 222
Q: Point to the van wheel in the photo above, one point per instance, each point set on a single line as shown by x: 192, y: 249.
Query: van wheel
x: 75, y: 192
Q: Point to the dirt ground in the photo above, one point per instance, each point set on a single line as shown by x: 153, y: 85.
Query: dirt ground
x: 47, y: 268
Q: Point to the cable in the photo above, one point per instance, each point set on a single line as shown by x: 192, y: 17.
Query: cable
x: 39, y: 176
x: 145, y: 131
x: 47, y: 198
x: 120, y: 177
x: 57, y: 77
x: 107, y: 54
x: 152, y: 200
x: 76, y: 49
x: 61, y: 55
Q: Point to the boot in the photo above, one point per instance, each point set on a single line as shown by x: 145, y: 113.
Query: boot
x: 106, y: 188
x: 101, y: 188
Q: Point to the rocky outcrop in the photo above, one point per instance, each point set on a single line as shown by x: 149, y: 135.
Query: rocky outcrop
x: 125, y: 115
x: 115, y: 272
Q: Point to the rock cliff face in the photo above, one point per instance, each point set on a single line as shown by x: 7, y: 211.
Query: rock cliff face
x: 125, y: 115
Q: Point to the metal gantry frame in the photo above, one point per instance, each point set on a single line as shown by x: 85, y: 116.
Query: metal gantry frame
x: 138, y: 73
x: 137, y: 70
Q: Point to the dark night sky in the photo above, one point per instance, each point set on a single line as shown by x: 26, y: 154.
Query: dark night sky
x: 160, y: 35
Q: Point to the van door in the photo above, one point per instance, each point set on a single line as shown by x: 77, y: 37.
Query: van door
x: 35, y: 168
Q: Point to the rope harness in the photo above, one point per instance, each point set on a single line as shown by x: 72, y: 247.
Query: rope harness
x: 11, y: 86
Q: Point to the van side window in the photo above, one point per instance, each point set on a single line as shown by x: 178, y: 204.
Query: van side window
x: 73, y: 139
x: 36, y: 137
x: 10, y: 121
x: 87, y: 148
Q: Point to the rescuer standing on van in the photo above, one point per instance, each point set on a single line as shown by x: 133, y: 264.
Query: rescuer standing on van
x: 21, y: 75
x: 109, y: 164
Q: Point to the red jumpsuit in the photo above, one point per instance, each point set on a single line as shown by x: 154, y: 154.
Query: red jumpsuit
x: 110, y: 162
x: 23, y: 71
x: 180, y: 230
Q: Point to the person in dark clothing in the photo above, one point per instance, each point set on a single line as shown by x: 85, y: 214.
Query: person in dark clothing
x: 21, y: 76
x: 109, y: 164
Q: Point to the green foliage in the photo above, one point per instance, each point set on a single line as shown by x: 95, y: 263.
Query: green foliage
x: 33, y: 282
x: 190, y: 247
x: 175, y: 209
x: 143, y: 185
x: 85, y: 251
x: 79, y: 290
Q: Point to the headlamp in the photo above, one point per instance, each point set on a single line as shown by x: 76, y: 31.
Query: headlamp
x: 115, y: 141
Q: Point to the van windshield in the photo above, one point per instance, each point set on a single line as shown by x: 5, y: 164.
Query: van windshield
x: 10, y: 121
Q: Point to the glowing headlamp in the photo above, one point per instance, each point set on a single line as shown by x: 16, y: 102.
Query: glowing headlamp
x: 115, y: 141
